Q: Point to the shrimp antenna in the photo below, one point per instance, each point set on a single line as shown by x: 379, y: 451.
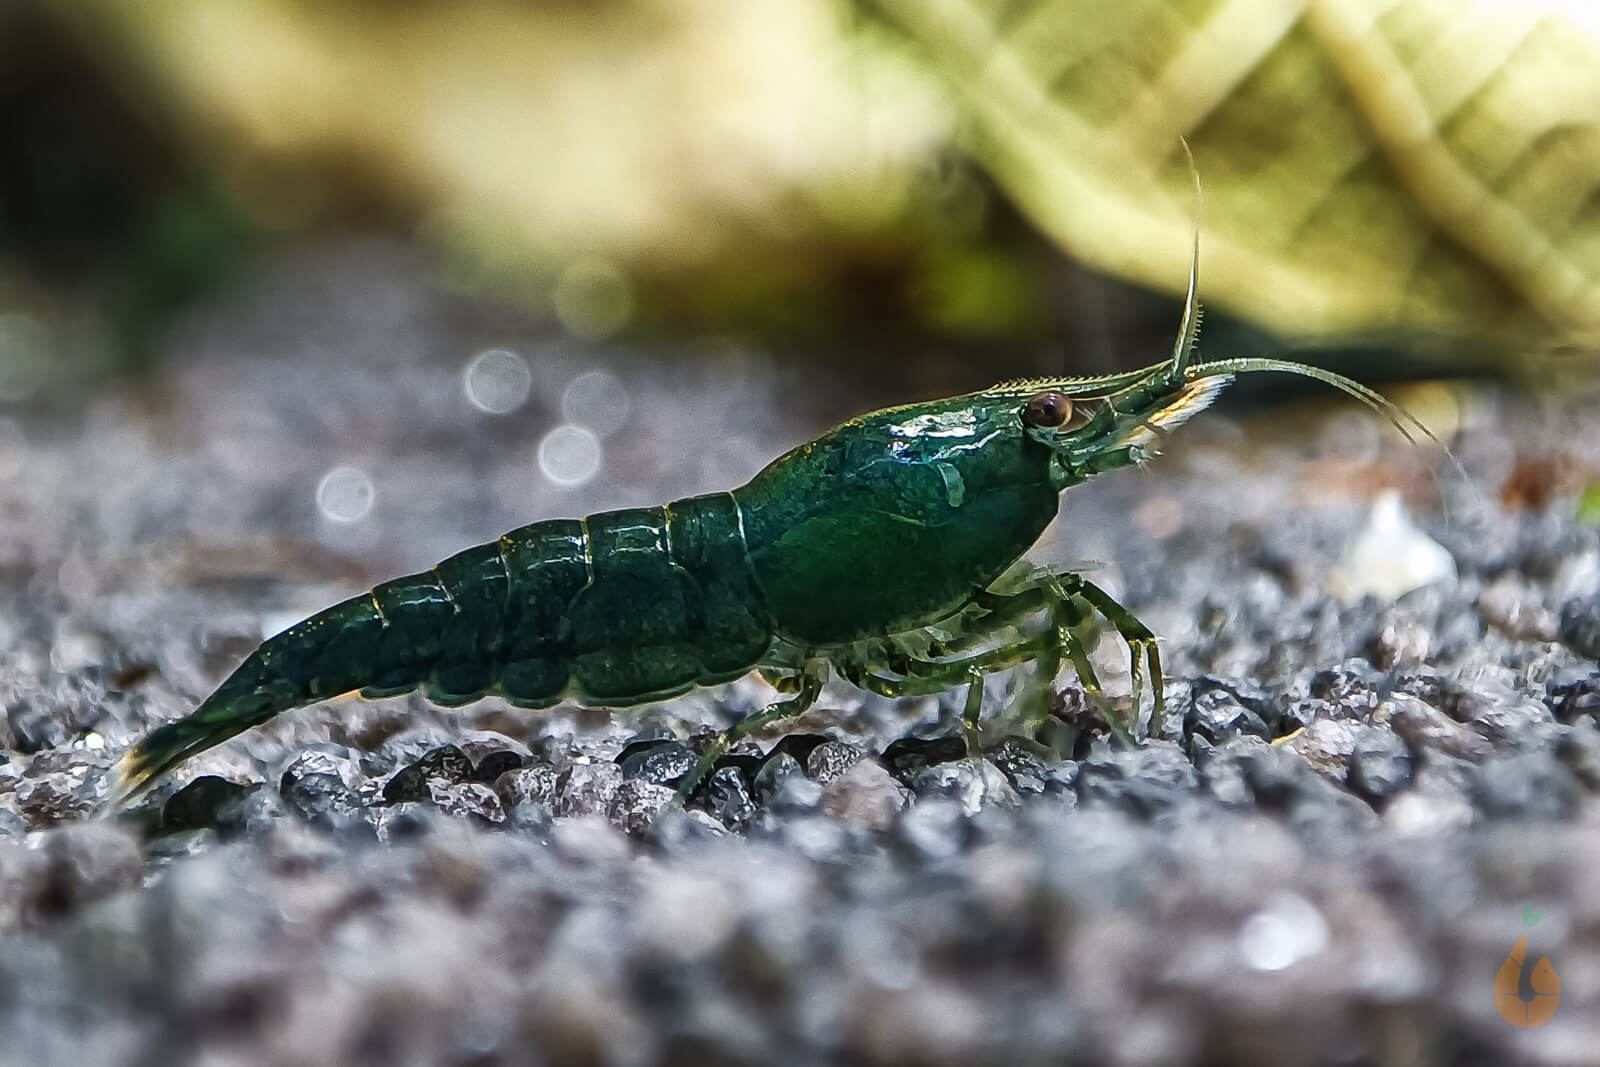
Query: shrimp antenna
x: 1189, y: 328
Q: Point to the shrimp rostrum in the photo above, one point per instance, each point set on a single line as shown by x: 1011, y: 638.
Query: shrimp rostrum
x: 873, y: 550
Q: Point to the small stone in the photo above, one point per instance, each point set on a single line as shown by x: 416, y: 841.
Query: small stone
x: 1580, y: 626
x: 61, y: 797
x: 536, y: 784
x: 865, y: 794
x: 1350, y: 691
x: 972, y: 784
x: 831, y: 759
x: 745, y: 764
x: 197, y: 804
x: 502, y: 753
x: 446, y: 764
x: 728, y: 800
x: 635, y: 803
x: 322, y: 759
x: 1146, y: 782
x: 773, y: 772
x: 657, y: 762
x: 322, y: 799
x: 907, y: 756
x: 1380, y: 766
x: 587, y: 788
x: 1532, y: 785
x: 1425, y: 727
x: 467, y: 800
x: 1217, y: 712
x: 933, y: 828
x: 1326, y: 745
x: 1027, y: 771
x: 488, y: 769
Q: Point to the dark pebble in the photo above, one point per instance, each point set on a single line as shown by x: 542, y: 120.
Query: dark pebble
x: 1217, y: 712
x: 1027, y: 770
x: 446, y: 763
x: 197, y: 804
x: 1380, y: 766
x: 906, y: 757
x: 491, y: 766
x: 773, y: 772
x: 728, y: 800
x: 797, y: 746
x: 659, y: 762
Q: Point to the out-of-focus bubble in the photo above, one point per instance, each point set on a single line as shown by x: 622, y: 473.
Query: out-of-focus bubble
x: 1287, y: 930
x: 569, y: 455
x: 592, y: 298
x: 13, y: 449
x: 345, y: 494
x: 497, y: 381
x: 22, y: 355
x: 598, y: 400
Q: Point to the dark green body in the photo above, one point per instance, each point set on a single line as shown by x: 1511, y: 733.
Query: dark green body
x: 894, y: 520
x: 886, y: 523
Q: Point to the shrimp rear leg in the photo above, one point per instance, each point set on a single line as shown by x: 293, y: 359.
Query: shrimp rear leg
x: 806, y: 686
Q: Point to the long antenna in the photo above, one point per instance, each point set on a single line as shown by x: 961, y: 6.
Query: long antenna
x: 1189, y: 328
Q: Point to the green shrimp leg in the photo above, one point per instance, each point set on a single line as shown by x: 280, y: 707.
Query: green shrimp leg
x: 1138, y: 638
x: 808, y: 686
x: 1068, y: 611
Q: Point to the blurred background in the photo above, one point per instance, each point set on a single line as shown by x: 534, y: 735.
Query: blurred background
x: 903, y: 189
x: 337, y: 261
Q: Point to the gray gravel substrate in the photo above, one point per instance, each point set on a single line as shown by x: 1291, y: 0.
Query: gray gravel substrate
x: 1355, y: 812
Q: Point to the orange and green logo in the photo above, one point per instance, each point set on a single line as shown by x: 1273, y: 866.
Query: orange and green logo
x: 1526, y: 997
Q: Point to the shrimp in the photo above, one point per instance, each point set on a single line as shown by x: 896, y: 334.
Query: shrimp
x: 873, y: 550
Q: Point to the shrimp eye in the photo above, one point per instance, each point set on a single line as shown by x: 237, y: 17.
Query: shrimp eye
x: 1048, y: 410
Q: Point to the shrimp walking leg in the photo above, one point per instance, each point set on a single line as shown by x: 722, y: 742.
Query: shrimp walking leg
x: 809, y: 687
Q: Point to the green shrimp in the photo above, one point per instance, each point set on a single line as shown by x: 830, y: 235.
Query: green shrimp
x: 873, y: 551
